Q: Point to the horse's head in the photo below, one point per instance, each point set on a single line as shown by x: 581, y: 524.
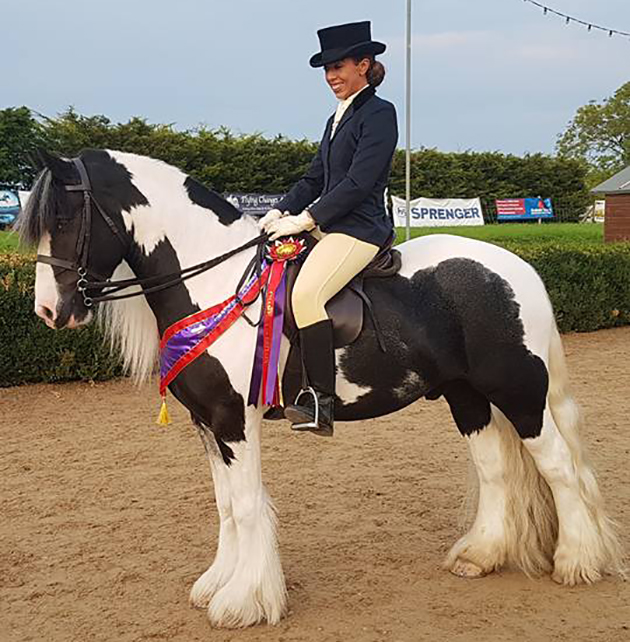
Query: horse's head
x: 74, y: 216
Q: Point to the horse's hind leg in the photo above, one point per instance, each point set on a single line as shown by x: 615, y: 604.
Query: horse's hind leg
x: 226, y: 556
x: 483, y: 548
x: 546, y: 419
x: 587, y: 545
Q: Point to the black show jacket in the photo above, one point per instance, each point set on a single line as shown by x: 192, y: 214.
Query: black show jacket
x: 349, y: 173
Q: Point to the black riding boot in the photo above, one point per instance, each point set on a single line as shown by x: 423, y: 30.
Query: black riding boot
x: 313, y: 408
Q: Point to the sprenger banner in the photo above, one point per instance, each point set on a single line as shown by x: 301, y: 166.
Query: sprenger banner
x: 444, y: 212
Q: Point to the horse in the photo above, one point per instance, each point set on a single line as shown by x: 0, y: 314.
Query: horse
x: 463, y: 319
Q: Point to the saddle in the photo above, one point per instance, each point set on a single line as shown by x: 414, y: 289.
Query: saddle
x: 347, y: 308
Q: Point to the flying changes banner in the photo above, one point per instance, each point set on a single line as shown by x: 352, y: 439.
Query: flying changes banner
x: 253, y: 204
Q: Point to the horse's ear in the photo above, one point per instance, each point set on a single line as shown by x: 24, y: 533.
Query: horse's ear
x: 35, y: 160
x: 61, y: 169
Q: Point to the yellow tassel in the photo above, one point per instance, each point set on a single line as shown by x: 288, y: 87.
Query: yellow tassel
x: 163, y: 418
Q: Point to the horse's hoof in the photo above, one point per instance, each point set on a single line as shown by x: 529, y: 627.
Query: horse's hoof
x: 575, y: 576
x: 462, y: 568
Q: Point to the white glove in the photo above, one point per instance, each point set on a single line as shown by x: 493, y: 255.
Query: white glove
x: 290, y: 225
x: 270, y: 216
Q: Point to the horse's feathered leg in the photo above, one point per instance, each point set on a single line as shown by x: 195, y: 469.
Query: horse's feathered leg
x: 588, y: 546
x: 483, y: 548
x: 256, y: 589
x: 538, y: 407
x: 226, y: 556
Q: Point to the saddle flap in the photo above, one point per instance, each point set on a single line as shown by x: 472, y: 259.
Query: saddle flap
x: 345, y: 310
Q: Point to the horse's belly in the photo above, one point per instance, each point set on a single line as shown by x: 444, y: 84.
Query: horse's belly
x: 385, y: 386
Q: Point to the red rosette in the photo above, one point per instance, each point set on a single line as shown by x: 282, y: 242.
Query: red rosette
x: 285, y: 249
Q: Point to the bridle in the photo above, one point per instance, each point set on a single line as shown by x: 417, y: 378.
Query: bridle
x: 111, y: 290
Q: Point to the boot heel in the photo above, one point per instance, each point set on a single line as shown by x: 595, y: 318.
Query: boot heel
x: 303, y: 417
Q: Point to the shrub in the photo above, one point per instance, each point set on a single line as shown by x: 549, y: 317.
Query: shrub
x: 589, y: 286
x: 30, y: 351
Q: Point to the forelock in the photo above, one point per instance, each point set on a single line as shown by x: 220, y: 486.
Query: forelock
x: 38, y: 216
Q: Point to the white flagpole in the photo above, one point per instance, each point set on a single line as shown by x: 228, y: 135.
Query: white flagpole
x: 408, y: 127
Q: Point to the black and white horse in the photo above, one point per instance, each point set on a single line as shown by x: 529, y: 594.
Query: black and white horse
x: 464, y: 319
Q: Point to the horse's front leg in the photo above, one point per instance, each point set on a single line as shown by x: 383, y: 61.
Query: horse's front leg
x: 226, y: 556
x: 255, y: 590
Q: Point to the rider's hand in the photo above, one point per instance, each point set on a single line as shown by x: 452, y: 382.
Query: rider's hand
x: 290, y: 225
x: 270, y: 217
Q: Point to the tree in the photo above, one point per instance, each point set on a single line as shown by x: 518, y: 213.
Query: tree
x: 599, y: 134
x: 20, y: 135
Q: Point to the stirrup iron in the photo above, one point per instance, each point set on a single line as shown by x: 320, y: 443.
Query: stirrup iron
x: 308, y: 425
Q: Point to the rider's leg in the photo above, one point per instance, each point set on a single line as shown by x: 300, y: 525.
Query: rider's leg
x: 332, y: 263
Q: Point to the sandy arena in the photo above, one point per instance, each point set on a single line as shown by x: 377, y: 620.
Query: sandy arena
x: 108, y: 519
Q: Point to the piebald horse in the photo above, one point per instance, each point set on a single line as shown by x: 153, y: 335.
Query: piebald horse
x: 463, y: 319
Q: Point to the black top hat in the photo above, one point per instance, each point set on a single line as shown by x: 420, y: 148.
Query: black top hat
x: 344, y: 41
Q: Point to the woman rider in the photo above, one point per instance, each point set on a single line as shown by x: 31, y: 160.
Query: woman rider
x: 342, y: 194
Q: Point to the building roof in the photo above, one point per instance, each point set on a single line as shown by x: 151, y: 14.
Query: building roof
x: 618, y: 184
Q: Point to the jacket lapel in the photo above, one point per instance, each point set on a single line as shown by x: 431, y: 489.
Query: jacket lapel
x: 326, y: 139
x: 357, y: 103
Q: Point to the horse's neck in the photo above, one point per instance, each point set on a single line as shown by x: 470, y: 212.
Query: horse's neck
x: 172, y: 233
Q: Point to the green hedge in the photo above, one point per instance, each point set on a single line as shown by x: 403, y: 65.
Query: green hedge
x: 31, y: 352
x: 589, y: 286
x: 253, y: 163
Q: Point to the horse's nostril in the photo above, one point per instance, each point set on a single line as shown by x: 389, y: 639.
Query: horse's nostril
x: 45, y: 313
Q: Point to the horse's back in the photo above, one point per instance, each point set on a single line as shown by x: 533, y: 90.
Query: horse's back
x: 428, y: 251
x: 521, y: 282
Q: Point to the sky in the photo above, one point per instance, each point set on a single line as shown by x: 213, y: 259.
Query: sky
x: 487, y: 75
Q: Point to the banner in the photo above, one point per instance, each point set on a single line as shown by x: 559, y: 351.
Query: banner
x: 431, y: 212
x: 9, y: 206
x: 524, y: 209
x: 253, y: 204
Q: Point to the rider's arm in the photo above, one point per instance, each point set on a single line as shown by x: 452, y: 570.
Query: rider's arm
x: 373, y: 154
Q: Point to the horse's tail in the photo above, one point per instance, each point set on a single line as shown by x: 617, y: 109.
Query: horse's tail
x: 566, y: 415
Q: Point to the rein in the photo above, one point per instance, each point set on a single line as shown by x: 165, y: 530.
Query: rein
x: 113, y: 288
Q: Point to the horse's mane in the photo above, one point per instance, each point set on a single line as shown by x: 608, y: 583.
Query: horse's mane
x: 129, y: 324
x: 38, y: 216
x: 48, y: 198
x: 131, y: 329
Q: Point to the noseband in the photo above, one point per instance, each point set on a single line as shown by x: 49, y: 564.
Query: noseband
x: 111, y: 289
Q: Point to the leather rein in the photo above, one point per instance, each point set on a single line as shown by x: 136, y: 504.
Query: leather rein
x: 111, y: 290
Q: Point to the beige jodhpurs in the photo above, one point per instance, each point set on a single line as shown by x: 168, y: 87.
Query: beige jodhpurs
x: 332, y: 263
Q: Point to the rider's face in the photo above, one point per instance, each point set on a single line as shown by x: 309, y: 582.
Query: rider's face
x: 346, y: 76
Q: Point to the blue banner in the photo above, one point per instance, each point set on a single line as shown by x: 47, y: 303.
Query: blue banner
x: 9, y: 206
x: 524, y: 209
